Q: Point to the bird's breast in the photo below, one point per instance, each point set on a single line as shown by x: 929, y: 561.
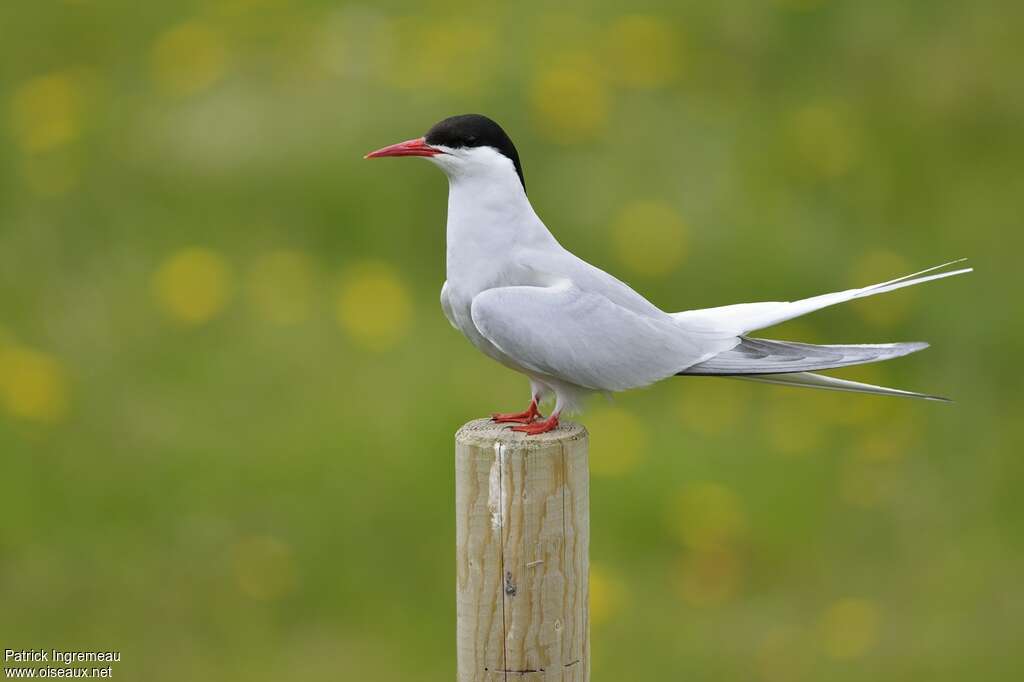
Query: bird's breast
x: 457, y: 303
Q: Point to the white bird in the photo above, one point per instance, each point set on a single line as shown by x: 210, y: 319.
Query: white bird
x: 573, y: 329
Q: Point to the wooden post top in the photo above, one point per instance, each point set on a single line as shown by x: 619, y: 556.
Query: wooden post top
x: 484, y: 432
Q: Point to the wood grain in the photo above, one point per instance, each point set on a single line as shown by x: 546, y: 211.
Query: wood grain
x: 522, y: 540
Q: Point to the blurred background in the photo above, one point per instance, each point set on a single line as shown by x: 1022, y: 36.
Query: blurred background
x: 228, y: 393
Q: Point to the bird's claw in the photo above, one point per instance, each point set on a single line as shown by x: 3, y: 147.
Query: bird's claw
x: 513, y: 418
x: 534, y: 428
x: 527, y: 416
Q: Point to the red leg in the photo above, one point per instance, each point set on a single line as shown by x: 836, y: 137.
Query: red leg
x: 549, y: 424
x: 524, y: 417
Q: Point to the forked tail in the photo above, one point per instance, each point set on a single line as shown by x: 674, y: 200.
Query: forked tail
x: 786, y: 362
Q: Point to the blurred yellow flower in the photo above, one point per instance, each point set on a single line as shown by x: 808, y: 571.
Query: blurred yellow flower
x: 281, y: 286
x: 707, y: 516
x: 849, y: 628
x: 46, y: 111
x: 823, y: 138
x: 188, y: 58
x: 708, y: 577
x: 880, y: 266
x: 452, y: 54
x: 264, y: 568
x: 373, y: 305
x: 193, y: 285
x: 643, y: 51
x: 649, y: 237
x: 570, y: 100
x: 606, y: 594
x: 33, y: 384
x: 618, y: 441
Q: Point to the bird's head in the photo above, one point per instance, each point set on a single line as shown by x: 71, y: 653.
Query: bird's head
x: 465, y: 146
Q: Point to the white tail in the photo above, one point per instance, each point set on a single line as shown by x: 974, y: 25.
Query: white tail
x: 743, y: 318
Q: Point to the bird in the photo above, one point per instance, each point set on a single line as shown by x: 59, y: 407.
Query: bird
x: 573, y: 329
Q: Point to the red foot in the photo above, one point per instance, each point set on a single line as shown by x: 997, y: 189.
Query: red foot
x: 524, y: 417
x: 549, y: 424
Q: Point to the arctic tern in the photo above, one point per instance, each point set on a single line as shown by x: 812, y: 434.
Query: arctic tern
x: 573, y: 329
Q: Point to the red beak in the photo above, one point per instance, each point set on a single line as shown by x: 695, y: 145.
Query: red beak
x: 417, y: 147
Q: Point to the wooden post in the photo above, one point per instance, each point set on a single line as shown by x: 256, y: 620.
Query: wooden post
x: 522, y: 513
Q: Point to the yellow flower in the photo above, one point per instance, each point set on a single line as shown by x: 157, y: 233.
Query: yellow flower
x: 46, y: 111
x: 453, y: 54
x: 650, y: 237
x: 570, y: 101
x: 849, y: 628
x: 33, y: 384
x: 193, y: 285
x: 188, y: 58
x: 643, y: 51
x: 824, y: 138
x: 373, y: 305
x: 708, y: 516
x: 606, y: 594
x: 618, y: 441
x: 708, y: 577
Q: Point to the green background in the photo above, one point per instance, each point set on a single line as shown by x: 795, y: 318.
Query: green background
x: 228, y: 394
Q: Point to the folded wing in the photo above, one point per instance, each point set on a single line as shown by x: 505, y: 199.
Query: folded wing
x: 763, y: 356
x: 584, y: 338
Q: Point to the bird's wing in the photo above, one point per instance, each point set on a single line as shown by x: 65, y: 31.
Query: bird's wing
x: 446, y: 306
x: 747, y: 317
x: 585, y: 339
x: 764, y: 356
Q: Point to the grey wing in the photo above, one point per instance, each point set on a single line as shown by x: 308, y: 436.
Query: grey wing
x: 764, y: 356
x: 584, y: 338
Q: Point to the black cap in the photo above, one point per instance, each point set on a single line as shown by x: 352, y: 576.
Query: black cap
x: 474, y: 130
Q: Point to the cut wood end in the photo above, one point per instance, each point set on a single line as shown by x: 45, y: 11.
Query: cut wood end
x: 484, y: 432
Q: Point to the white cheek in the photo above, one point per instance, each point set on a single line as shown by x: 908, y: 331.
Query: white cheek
x: 456, y: 162
x: 446, y: 162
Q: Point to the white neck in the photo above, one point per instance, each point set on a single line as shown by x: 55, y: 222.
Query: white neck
x: 489, y: 216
